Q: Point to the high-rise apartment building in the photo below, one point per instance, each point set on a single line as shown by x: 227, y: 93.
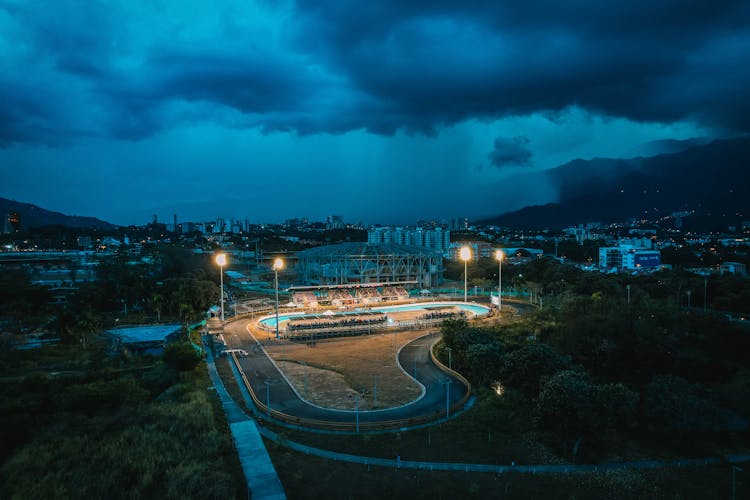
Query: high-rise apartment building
x: 437, y: 239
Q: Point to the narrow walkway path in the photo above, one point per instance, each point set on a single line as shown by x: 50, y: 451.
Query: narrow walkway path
x: 261, y: 477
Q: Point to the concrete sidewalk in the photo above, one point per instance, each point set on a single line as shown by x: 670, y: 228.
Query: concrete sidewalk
x: 261, y: 477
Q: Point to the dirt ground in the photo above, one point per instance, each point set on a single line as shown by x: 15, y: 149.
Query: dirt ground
x: 339, y: 369
x: 333, y: 372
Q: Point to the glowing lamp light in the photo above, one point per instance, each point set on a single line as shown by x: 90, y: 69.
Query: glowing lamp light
x: 278, y: 264
x: 221, y: 259
x: 465, y: 253
x: 499, y: 255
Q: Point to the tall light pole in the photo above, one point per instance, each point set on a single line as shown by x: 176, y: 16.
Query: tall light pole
x: 447, y: 383
x: 268, y: 398
x: 221, y: 260
x: 499, y: 255
x: 278, y: 263
x: 465, y: 255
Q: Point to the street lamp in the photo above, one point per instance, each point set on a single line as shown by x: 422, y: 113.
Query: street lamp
x: 221, y: 260
x: 447, y: 383
x: 278, y: 263
x: 499, y: 255
x: 465, y: 255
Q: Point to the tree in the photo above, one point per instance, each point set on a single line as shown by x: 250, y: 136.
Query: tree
x: 674, y: 402
x: 451, y: 329
x: 157, y: 301
x: 181, y: 356
x: 87, y: 324
x: 523, y: 368
x: 485, y: 361
x: 482, y: 283
x: 76, y: 324
x: 617, y: 406
x: 567, y: 404
x: 477, y: 352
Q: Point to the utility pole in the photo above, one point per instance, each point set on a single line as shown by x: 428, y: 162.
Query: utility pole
x: 304, y: 376
x: 356, y: 402
x: 268, y: 398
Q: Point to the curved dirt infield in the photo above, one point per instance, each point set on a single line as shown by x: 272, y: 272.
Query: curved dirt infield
x: 343, y: 372
x: 270, y: 385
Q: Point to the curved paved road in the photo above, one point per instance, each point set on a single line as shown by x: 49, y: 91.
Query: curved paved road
x: 261, y: 371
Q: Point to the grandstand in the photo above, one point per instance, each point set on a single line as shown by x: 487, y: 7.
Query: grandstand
x: 340, y: 297
x: 367, y: 295
x: 395, y: 293
x: 305, y: 299
x: 349, y: 295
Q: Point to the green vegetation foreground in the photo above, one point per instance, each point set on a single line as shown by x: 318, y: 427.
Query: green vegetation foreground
x: 83, y: 425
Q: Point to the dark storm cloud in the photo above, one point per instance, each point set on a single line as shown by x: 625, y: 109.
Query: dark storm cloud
x: 381, y: 66
x: 510, y: 152
x: 441, y: 62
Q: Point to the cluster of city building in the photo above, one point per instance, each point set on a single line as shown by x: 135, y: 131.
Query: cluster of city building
x: 388, y: 254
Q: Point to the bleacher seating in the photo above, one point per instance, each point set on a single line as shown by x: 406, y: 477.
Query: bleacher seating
x: 340, y: 296
x: 349, y: 296
x: 322, y: 321
x: 368, y: 295
x: 307, y: 299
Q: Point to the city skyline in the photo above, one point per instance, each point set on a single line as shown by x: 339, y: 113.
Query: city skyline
x: 270, y: 110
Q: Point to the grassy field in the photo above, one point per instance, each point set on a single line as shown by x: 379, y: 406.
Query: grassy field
x: 82, y: 424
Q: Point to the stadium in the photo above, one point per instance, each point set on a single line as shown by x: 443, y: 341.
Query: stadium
x: 363, y: 263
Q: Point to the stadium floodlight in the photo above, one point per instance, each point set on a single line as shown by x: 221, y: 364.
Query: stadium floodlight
x: 465, y: 255
x: 278, y: 263
x: 499, y: 255
x: 221, y: 261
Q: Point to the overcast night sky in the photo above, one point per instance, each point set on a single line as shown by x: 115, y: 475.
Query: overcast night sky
x: 379, y: 111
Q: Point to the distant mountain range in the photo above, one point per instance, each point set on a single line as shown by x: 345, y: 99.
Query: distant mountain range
x: 31, y: 216
x: 713, y: 180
